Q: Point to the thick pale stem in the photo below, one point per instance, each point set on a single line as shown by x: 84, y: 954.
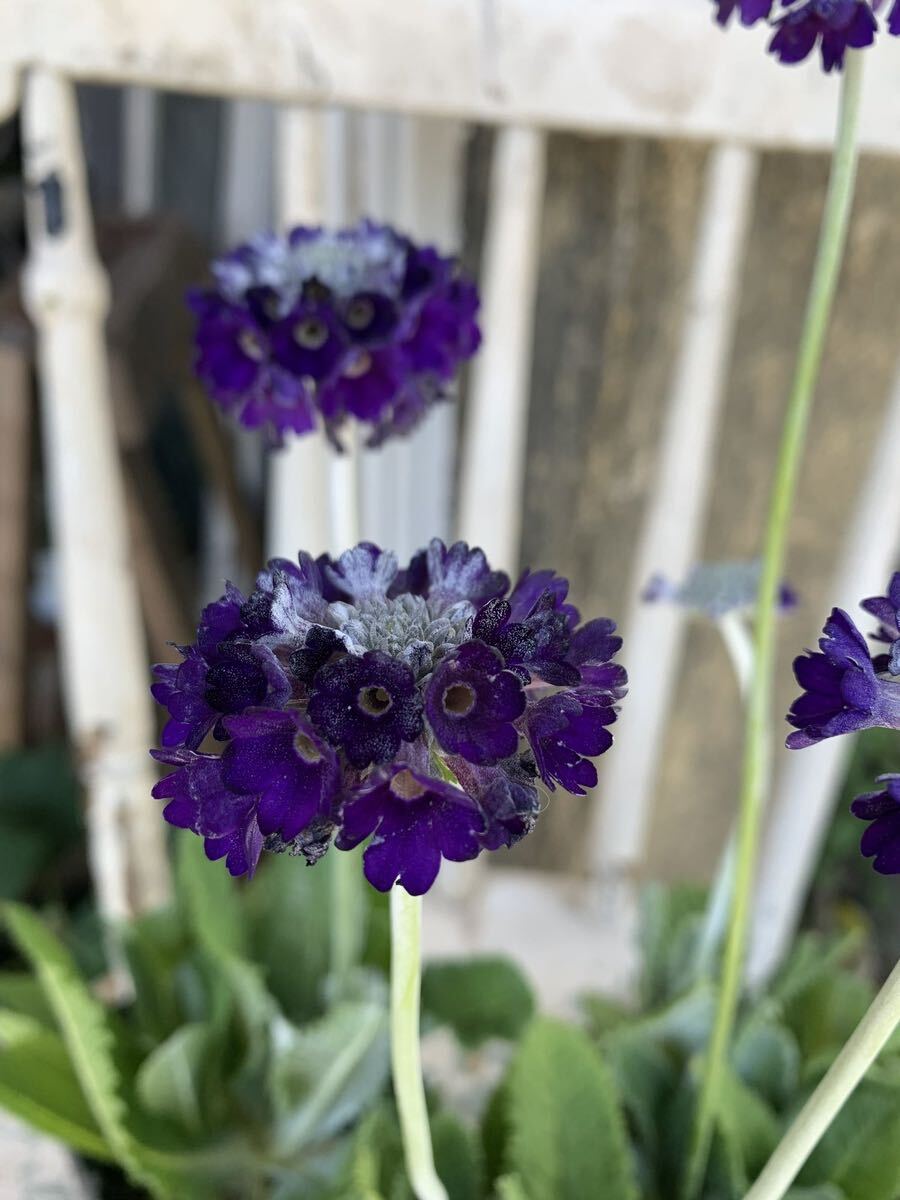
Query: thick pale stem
x: 406, y: 1061
x: 756, y: 770
x: 739, y: 645
x: 829, y: 1098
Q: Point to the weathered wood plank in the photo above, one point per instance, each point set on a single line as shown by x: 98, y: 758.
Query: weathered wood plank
x: 657, y: 67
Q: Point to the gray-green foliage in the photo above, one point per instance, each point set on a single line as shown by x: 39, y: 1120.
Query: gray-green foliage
x: 240, y: 1068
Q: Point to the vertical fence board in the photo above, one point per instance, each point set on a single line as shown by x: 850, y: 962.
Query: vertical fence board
x: 104, y: 660
x: 673, y: 523
x: 493, y: 451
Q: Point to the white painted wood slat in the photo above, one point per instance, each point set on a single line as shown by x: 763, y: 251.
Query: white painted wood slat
x: 299, y: 479
x: 104, y: 657
x: 672, y: 531
x: 444, y: 58
x: 493, y: 452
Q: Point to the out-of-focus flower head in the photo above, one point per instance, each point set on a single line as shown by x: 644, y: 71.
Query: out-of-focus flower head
x: 835, y: 26
x: 345, y: 696
x: 716, y: 589
x: 320, y: 328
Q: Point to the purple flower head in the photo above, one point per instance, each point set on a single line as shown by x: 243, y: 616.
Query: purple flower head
x: 887, y: 610
x: 343, y: 694
x: 414, y: 820
x: 750, y: 11
x: 716, y: 589
x: 321, y: 327
x: 881, y: 840
x: 842, y: 691
x: 800, y: 25
x: 837, y: 25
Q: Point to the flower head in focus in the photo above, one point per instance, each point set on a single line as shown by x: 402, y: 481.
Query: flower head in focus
x: 835, y: 26
x: 320, y: 328
x: 351, y: 699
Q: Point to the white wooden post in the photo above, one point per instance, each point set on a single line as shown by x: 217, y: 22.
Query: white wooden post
x: 104, y: 658
x: 809, y: 780
x: 493, y: 451
x: 313, y: 499
x: 412, y: 178
x: 671, y: 536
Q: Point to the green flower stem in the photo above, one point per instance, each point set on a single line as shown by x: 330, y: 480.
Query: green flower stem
x: 828, y: 1099
x: 734, y: 633
x: 755, y: 778
x: 406, y: 1060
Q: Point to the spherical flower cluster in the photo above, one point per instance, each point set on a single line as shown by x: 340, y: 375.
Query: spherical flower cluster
x: 350, y: 699
x: 835, y: 25
x: 320, y: 327
x: 847, y: 689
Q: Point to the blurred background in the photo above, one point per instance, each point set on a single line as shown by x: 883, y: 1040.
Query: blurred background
x: 619, y: 225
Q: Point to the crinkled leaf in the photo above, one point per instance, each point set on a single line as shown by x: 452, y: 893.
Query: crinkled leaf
x: 645, y: 1074
x: 457, y: 1158
x: 747, y: 1131
x: 509, y: 1187
x: 767, y: 1058
x: 38, y: 1085
x: 324, y: 1075
x: 23, y: 994
x: 209, y: 900
x: 567, y: 1133
x: 478, y: 998
x: 671, y: 921
x: 88, y: 1040
x: 170, y: 1081
x: 860, y: 1153
x: 289, y: 910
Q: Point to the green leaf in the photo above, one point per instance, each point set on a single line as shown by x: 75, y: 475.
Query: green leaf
x: 479, y: 998
x: 826, y: 1192
x: 209, y: 900
x: 671, y: 920
x: 567, y: 1135
x: 747, y: 1129
x: 509, y: 1187
x: 861, y: 1151
x: 87, y: 1037
x: 38, y: 1085
x: 645, y: 1074
x: 156, y: 948
x: 289, y: 907
x: 23, y: 994
x: 456, y: 1157
x: 325, y: 1075
x: 767, y: 1058
x: 169, y: 1081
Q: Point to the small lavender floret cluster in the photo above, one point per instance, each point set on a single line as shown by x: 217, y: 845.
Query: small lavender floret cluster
x: 352, y: 699
x: 835, y: 25
x: 848, y: 689
x: 716, y: 589
x: 318, y: 327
